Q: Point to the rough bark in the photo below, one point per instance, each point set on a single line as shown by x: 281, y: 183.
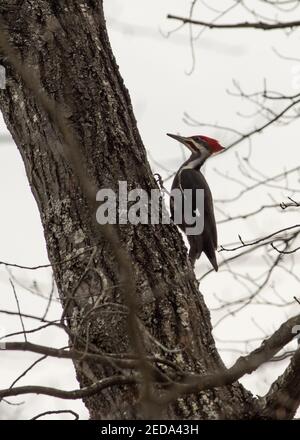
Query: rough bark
x: 66, y: 45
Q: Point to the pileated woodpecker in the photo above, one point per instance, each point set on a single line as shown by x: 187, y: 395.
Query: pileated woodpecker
x: 189, y: 176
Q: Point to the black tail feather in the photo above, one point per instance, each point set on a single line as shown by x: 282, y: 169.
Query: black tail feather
x: 199, y: 244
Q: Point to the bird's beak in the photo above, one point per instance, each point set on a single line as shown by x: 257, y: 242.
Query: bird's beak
x: 177, y: 138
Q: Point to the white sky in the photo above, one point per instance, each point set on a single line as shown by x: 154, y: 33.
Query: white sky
x: 154, y: 69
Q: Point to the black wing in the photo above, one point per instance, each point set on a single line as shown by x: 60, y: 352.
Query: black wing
x: 194, y: 179
x: 208, y: 240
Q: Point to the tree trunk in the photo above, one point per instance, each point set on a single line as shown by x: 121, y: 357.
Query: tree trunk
x: 67, y: 47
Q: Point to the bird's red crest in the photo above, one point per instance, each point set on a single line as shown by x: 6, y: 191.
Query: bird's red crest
x: 213, y: 143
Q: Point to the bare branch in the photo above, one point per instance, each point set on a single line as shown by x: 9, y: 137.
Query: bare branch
x: 19, y: 310
x: 260, y: 240
x: 61, y: 411
x: 91, y: 390
x: 283, y: 398
x: 244, y: 365
x: 245, y: 25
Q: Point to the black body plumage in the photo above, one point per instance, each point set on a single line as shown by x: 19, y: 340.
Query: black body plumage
x: 189, y: 176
